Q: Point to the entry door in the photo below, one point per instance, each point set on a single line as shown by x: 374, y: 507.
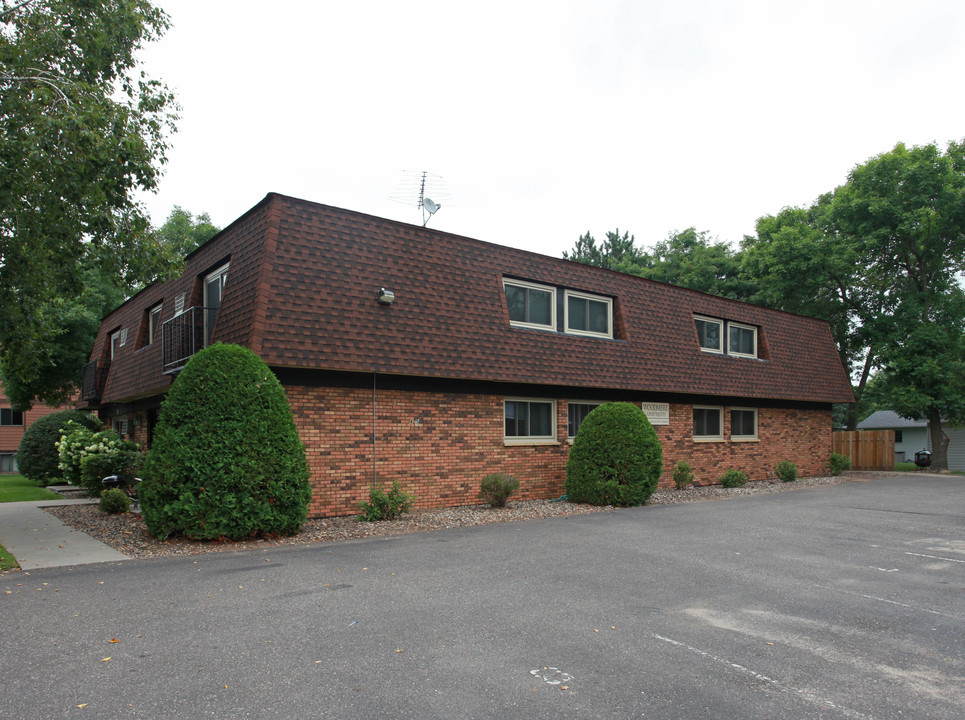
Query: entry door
x: 213, y: 291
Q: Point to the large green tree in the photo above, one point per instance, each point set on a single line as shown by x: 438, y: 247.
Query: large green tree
x: 880, y: 258
x: 688, y: 258
x: 83, y: 129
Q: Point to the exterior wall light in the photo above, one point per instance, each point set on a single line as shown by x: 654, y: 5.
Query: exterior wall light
x: 386, y: 297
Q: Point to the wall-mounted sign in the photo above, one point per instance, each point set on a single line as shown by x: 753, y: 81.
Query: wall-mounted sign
x: 657, y: 413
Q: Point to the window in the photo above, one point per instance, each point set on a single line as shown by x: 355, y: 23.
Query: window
x: 8, y: 416
x: 179, y: 305
x: 8, y: 463
x: 589, y: 314
x: 709, y: 334
x: 213, y: 291
x: 708, y: 425
x: 742, y: 340
x: 743, y: 424
x: 530, y: 305
x: 527, y: 421
x: 115, y: 342
x: 576, y: 414
x: 153, y: 323
x: 897, y: 436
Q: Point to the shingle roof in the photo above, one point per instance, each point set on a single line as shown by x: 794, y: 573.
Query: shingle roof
x: 302, y: 289
x: 888, y: 419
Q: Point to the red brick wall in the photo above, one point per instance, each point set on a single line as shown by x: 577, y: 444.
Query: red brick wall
x: 438, y: 446
x: 11, y: 435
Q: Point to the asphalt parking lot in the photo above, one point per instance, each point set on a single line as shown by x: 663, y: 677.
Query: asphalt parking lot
x: 846, y: 601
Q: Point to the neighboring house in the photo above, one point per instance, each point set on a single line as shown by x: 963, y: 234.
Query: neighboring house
x: 912, y: 436
x: 13, y: 423
x: 415, y: 355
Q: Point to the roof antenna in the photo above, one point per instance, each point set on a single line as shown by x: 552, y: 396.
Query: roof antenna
x: 421, y: 182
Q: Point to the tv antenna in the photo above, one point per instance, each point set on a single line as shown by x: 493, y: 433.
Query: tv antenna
x: 418, y: 185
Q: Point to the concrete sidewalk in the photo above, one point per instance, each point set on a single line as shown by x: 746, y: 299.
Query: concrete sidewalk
x: 37, y: 539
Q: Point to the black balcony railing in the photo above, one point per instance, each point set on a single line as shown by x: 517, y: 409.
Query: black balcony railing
x: 181, y: 337
x: 93, y: 377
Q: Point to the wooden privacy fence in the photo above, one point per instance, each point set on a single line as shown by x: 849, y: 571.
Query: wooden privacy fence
x: 868, y: 449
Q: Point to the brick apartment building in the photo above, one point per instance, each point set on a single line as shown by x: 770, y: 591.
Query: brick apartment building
x: 13, y: 423
x: 416, y: 355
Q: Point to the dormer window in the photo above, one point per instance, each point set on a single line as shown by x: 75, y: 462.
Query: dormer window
x: 589, y: 314
x: 530, y: 305
x: 726, y: 337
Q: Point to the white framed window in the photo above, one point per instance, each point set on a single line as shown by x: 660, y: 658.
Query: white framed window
x: 529, y: 421
x: 8, y: 463
x: 153, y: 323
x: 710, y: 334
x: 123, y: 340
x: 743, y: 424
x: 741, y: 340
x: 530, y: 305
x: 115, y: 342
x: 588, y: 314
x: 213, y: 291
x: 708, y: 423
x: 179, y: 305
x: 576, y: 413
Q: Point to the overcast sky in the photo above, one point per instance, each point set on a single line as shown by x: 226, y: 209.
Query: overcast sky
x: 549, y: 119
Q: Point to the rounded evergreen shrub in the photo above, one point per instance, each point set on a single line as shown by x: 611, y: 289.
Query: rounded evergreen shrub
x: 616, y: 458
x: 226, y: 461
x: 786, y: 470
x: 115, y: 501
x: 37, y: 456
x: 733, y: 478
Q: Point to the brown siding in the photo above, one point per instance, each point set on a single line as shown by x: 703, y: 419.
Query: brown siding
x: 438, y: 446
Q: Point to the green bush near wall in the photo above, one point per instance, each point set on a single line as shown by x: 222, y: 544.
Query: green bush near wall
x: 37, y: 456
x: 226, y: 461
x: 616, y: 458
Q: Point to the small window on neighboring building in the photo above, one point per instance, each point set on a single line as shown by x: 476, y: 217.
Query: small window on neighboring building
x: 9, y: 416
x: 708, y: 424
x: 897, y: 436
x: 709, y: 334
x: 576, y: 414
x: 530, y: 305
x: 153, y: 324
x: 8, y: 463
x: 529, y: 421
x: 589, y: 314
x: 742, y: 340
x: 743, y: 424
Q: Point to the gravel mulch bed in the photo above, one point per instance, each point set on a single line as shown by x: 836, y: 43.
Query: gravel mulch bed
x: 127, y: 534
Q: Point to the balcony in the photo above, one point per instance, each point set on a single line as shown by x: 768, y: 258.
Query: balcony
x: 181, y: 337
x: 93, y: 377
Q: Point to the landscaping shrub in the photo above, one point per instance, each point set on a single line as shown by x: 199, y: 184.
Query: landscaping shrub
x: 115, y: 501
x: 615, y: 459
x: 37, y: 456
x: 786, y: 470
x: 496, y: 488
x: 733, y: 478
x: 383, y: 505
x: 683, y: 475
x: 87, y: 457
x: 837, y: 464
x: 226, y: 461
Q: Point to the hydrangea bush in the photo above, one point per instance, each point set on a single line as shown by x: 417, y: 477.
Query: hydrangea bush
x: 88, y: 456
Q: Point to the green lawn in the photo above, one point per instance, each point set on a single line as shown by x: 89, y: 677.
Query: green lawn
x: 905, y: 467
x: 7, y: 561
x: 16, y: 488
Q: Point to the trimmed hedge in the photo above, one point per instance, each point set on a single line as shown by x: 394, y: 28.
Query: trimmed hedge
x: 226, y: 461
x: 616, y: 458
x: 37, y: 456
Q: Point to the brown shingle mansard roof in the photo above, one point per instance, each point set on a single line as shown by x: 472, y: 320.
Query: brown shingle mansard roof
x: 302, y: 287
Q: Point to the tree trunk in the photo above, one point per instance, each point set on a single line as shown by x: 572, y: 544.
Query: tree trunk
x: 939, y: 442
